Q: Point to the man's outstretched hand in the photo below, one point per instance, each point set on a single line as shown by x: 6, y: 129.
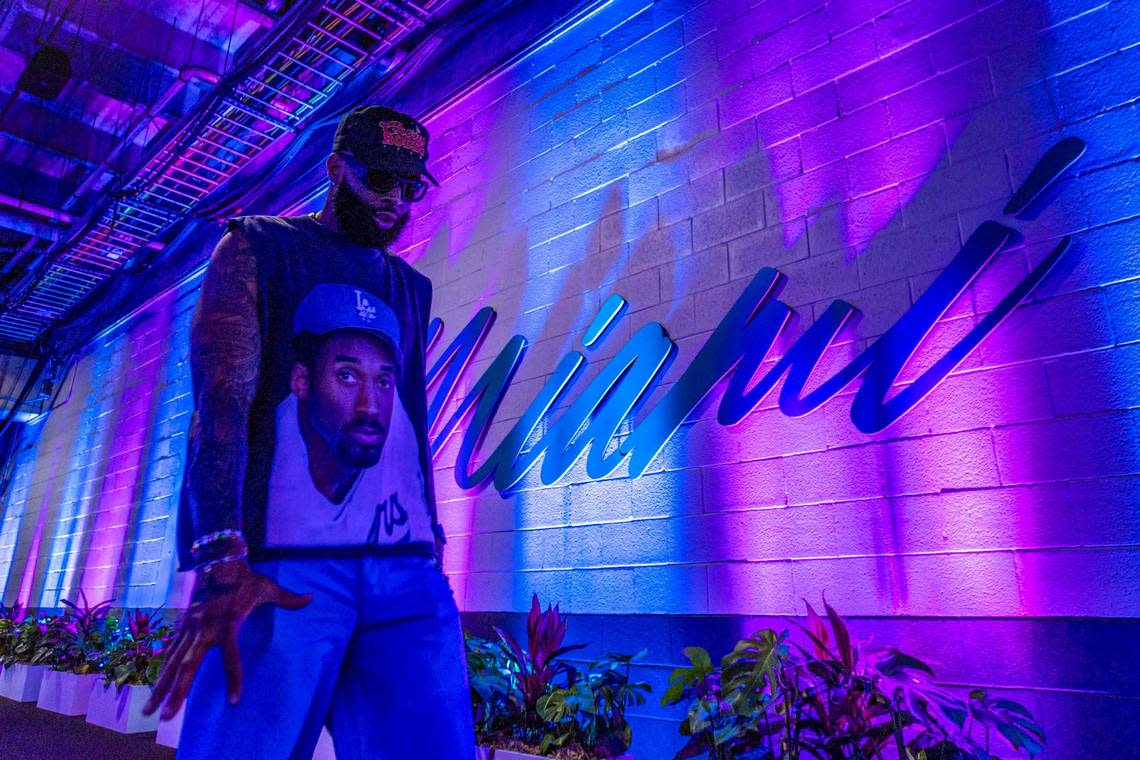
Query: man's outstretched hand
x: 223, y: 597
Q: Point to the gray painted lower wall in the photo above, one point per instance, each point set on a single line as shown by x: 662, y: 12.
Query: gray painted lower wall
x: 1080, y: 668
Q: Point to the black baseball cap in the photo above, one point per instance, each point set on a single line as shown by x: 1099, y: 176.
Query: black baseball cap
x: 385, y: 140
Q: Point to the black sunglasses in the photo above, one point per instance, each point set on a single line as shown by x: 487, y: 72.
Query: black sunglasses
x: 383, y: 181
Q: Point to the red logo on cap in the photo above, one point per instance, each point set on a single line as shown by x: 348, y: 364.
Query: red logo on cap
x: 399, y: 136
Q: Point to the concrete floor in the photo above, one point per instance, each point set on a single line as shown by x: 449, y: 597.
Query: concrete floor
x: 29, y: 733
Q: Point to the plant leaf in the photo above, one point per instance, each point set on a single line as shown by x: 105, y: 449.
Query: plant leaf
x: 842, y: 637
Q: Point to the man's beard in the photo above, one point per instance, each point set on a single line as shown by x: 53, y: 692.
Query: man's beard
x: 355, y: 219
x: 355, y: 453
x: 348, y: 450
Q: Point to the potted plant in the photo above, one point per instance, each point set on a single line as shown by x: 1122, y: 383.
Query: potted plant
x: 588, y: 715
x: 535, y: 670
x: 771, y: 697
x: 528, y: 702
x: 21, y: 678
x: 132, y: 666
x: 494, y: 690
x: 9, y: 620
x: 728, y: 714
x: 75, y: 646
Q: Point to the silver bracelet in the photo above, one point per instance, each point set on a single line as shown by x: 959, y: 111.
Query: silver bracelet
x: 229, y: 558
x: 218, y: 535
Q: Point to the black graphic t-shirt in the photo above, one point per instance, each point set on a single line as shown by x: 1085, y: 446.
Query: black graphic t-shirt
x: 389, y: 507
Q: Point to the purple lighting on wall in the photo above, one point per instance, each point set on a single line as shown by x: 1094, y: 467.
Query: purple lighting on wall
x: 119, y: 492
x: 82, y: 481
x: 32, y: 562
x: 858, y: 155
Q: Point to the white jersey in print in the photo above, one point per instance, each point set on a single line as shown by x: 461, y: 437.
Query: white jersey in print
x: 385, y: 506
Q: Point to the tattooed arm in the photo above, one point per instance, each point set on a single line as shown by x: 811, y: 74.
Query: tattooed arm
x: 225, y: 354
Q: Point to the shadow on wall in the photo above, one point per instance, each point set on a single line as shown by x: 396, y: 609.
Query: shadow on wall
x: 869, y: 207
x: 14, y: 538
x: 84, y: 476
x: 59, y: 479
x: 962, y: 509
x: 100, y: 522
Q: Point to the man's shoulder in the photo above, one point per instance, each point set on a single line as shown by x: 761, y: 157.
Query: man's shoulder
x: 258, y: 225
x: 417, y: 279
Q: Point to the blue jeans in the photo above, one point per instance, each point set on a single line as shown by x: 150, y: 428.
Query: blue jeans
x: 377, y: 656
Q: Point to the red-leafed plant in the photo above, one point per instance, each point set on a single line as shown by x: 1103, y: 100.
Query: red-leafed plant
x: 538, y: 667
x: 10, y: 618
x: 887, y: 697
x: 835, y: 698
x: 76, y: 641
x: 529, y: 700
x: 136, y: 657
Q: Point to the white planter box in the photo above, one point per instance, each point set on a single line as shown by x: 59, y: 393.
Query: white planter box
x: 22, y: 682
x: 170, y: 730
x: 66, y: 693
x: 506, y: 754
x: 482, y: 753
x: 121, y: 709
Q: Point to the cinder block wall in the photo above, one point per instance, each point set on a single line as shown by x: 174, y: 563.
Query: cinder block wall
x: 93, y: 494
x: 666, y: 151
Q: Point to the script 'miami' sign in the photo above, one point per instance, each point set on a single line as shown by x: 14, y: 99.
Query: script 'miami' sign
x: 737, y: 347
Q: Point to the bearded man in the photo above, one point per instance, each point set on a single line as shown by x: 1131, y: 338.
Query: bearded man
x: 309, y: 469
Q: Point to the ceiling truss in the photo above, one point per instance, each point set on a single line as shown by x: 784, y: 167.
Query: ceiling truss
x: 317, y: 50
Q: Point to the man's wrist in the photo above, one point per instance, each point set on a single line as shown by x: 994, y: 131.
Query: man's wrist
x: 214, y: 564
x: 220, y: 546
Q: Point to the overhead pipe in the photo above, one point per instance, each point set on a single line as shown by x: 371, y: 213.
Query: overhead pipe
x: 16, y: 259
x: 36, y: 209
x: 185, y: 75
x: 16, y: 294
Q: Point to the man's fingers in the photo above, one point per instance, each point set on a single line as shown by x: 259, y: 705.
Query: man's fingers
x: 288, y: 599
x: 231, y: 660
x: 164, y: 689
x: 182, y: 680
x: 166, y: 676
x: 161, y: 686
x: 155, y: 696
x: 177, y: 694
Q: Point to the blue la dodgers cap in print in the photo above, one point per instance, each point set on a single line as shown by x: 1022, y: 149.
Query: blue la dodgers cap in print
x: 333, y: 306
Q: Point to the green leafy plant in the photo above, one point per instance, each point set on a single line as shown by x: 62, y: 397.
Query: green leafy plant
x: 494, y: 694
x: 590, y: 711
x: 537, y: 668
x: 25, y: 641
x: 733, y: 709
x: 54, y: 633
x: 136, y: 655
x: 76, y: 641
x: 835, y: 698
x: 1010, y: 719
x: 9, y: 624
